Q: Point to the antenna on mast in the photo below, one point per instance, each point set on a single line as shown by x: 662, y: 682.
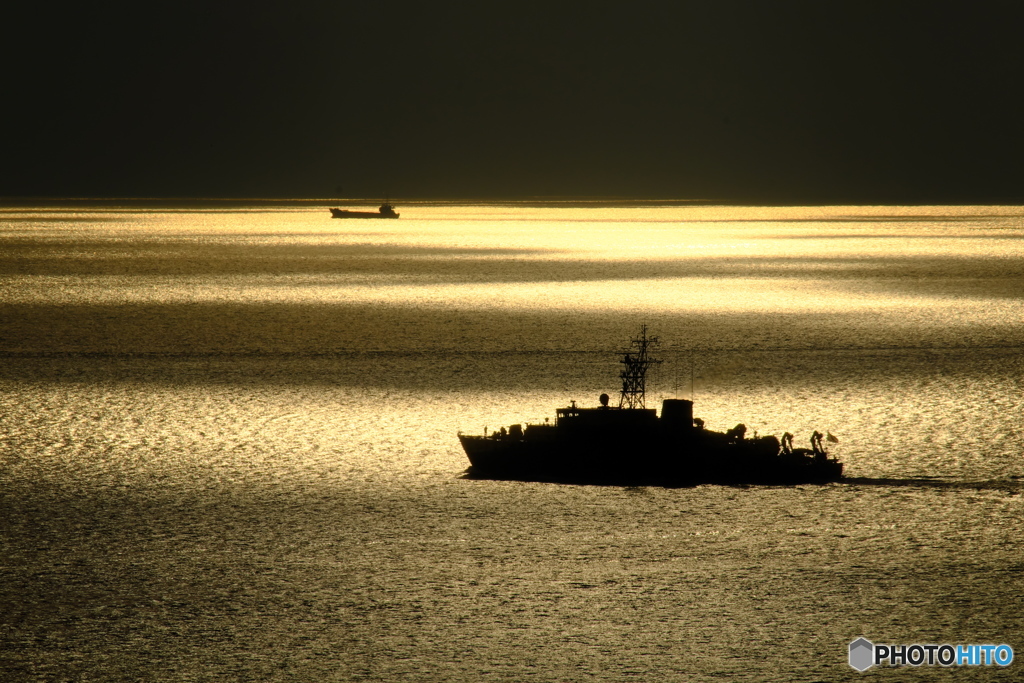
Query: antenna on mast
x: 691, y: 375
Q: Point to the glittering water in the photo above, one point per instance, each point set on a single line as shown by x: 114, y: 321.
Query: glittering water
x: 227, y: 441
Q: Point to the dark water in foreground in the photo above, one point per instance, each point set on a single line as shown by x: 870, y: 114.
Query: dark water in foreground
x: 227, y: 442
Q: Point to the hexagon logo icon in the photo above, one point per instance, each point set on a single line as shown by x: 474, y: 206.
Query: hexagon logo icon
x: 862, y: 654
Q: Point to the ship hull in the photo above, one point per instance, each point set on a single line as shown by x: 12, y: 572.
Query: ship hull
x: 345, y: 213
x: 657, y: 461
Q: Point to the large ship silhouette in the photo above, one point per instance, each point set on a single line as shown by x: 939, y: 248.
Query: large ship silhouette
x: 631, y: 444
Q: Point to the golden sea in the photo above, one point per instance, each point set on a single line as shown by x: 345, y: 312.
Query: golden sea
x: 228, y: 440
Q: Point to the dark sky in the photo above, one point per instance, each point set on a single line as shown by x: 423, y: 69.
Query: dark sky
x: 767, y: 101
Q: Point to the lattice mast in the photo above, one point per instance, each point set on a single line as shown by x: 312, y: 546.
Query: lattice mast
x: 634, y: 375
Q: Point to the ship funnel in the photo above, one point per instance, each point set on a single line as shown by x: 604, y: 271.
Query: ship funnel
x: 677, y: 413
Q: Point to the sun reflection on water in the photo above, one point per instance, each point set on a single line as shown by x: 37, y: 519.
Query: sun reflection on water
x: 227, y: 439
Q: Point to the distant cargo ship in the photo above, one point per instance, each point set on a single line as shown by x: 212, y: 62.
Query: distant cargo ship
x: 631, y: 444
x: 386, y: 210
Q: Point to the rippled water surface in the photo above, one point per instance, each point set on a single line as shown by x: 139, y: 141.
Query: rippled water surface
x: 227, y: 441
